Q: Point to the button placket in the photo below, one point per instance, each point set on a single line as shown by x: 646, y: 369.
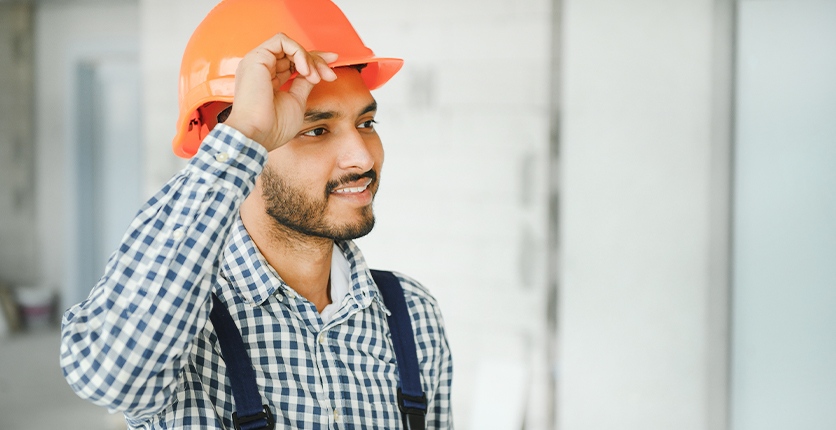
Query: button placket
x: 323, y: 368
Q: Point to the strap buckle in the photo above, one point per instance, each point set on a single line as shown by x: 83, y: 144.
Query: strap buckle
x: 414, y: 418
x: 265, y: 414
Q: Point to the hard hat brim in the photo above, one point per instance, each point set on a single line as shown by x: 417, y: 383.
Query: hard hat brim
x: 190, y: 134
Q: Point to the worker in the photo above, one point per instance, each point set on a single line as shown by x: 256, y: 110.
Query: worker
x: 238, y: 284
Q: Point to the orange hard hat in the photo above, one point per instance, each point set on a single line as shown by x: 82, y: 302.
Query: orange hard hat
x: 235, y: 27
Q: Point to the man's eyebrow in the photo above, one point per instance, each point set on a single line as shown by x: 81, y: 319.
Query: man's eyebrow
x: 318, y: 115
x: 370, y: 108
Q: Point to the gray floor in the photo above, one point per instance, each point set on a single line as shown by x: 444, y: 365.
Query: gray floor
x: 33, y: 393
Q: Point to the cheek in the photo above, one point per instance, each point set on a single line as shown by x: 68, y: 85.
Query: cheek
x: 376, y: 151
x: 378, y: 155
x: 304, y: 172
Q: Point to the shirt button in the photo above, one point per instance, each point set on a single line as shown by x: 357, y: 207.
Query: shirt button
x: 178, y: 233
x: 290, y: 294
x: 221, y: 157
x: 336, y: 415
x: 322, y: 341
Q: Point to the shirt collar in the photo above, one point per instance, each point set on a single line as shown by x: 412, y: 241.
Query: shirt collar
x: 255, y: 280
x: 361, y: 284
x: 340, y: 273
x: 246, y: 268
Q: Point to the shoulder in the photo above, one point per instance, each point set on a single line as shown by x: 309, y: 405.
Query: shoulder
x: 415, y: 291
x: 432, y: 348
x: 423, y: 306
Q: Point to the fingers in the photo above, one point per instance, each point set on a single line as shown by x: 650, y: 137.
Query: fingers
x: 273, y: 117
x: 315, y: 66
x: 329, y: 57
x: 300, y: 89
x: 284, y: 65
x: 289, y: 55
x: 320, y: 65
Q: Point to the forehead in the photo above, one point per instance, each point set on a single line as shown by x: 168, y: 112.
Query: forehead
x: 347, y: 94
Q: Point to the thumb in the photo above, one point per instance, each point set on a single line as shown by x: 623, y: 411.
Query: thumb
x: 300, y: 89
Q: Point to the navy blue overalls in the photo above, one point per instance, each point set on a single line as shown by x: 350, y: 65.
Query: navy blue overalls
x: 251, y: 414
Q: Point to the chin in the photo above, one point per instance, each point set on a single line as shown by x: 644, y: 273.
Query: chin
x: 354, y: 231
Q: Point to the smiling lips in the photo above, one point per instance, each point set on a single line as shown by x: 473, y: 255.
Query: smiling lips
x: 353, y: 188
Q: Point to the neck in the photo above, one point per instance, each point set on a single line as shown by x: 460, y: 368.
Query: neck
x: 302, y: 261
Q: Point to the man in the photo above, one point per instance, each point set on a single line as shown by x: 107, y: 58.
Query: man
x: 262, y: 217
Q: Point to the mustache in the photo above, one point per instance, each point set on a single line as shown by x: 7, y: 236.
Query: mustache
x: 351, y: 177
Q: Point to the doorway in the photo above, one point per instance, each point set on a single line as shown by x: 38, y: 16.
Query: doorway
x: 105, y: 191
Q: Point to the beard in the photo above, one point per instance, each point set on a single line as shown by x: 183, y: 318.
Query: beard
x: 291, y: 208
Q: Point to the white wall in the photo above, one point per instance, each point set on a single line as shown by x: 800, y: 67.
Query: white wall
x: 463, y: 203
x: 784, y: 327
x: 645, y: 91
x: 165, y: 28
x: 64, y: 33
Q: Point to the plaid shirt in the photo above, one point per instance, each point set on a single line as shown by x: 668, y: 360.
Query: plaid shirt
x: 142, y: 342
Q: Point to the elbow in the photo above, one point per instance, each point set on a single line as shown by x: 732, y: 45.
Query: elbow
x: 79, y: 362
x: 110, y: 381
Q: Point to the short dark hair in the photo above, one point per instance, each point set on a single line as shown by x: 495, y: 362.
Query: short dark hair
x: 358, y: 67
x: 224, y: 114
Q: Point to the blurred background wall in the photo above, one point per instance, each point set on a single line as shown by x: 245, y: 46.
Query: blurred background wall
x: 644, y: 227
x: 623, y: 207
x: 784, y: 295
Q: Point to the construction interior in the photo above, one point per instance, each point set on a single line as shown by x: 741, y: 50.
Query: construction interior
x: 624, y: 208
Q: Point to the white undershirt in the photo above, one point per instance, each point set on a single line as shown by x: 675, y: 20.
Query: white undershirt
x: 339, y: 284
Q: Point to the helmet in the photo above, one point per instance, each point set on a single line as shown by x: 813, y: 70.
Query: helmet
x: 235, y: 27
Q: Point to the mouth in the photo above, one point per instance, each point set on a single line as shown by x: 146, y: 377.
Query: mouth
x: 355, y: 187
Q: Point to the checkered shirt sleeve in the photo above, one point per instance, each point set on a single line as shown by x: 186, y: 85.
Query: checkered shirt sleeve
x: 125, y: 345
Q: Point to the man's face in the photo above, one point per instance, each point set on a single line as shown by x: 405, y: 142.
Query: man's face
x: 322, y: 182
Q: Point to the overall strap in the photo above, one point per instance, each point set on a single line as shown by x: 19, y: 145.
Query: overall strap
x: 250, y: 413
x: 411, y: 398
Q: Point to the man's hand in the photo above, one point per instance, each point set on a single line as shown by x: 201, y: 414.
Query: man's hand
x: 262, y: 112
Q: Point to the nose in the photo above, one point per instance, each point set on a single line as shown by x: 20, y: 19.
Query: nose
x: 355, y: 151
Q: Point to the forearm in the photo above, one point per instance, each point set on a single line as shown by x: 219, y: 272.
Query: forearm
x: 124, y: 346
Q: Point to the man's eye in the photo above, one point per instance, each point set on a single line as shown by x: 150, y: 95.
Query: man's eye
x: 367, y: 124
x: 315, y: 132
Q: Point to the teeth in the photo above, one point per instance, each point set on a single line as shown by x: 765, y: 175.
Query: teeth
x: 350, y: 190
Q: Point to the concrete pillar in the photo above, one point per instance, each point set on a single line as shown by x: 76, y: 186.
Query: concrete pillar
x: 645, y: 143
x: 17, y: 154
